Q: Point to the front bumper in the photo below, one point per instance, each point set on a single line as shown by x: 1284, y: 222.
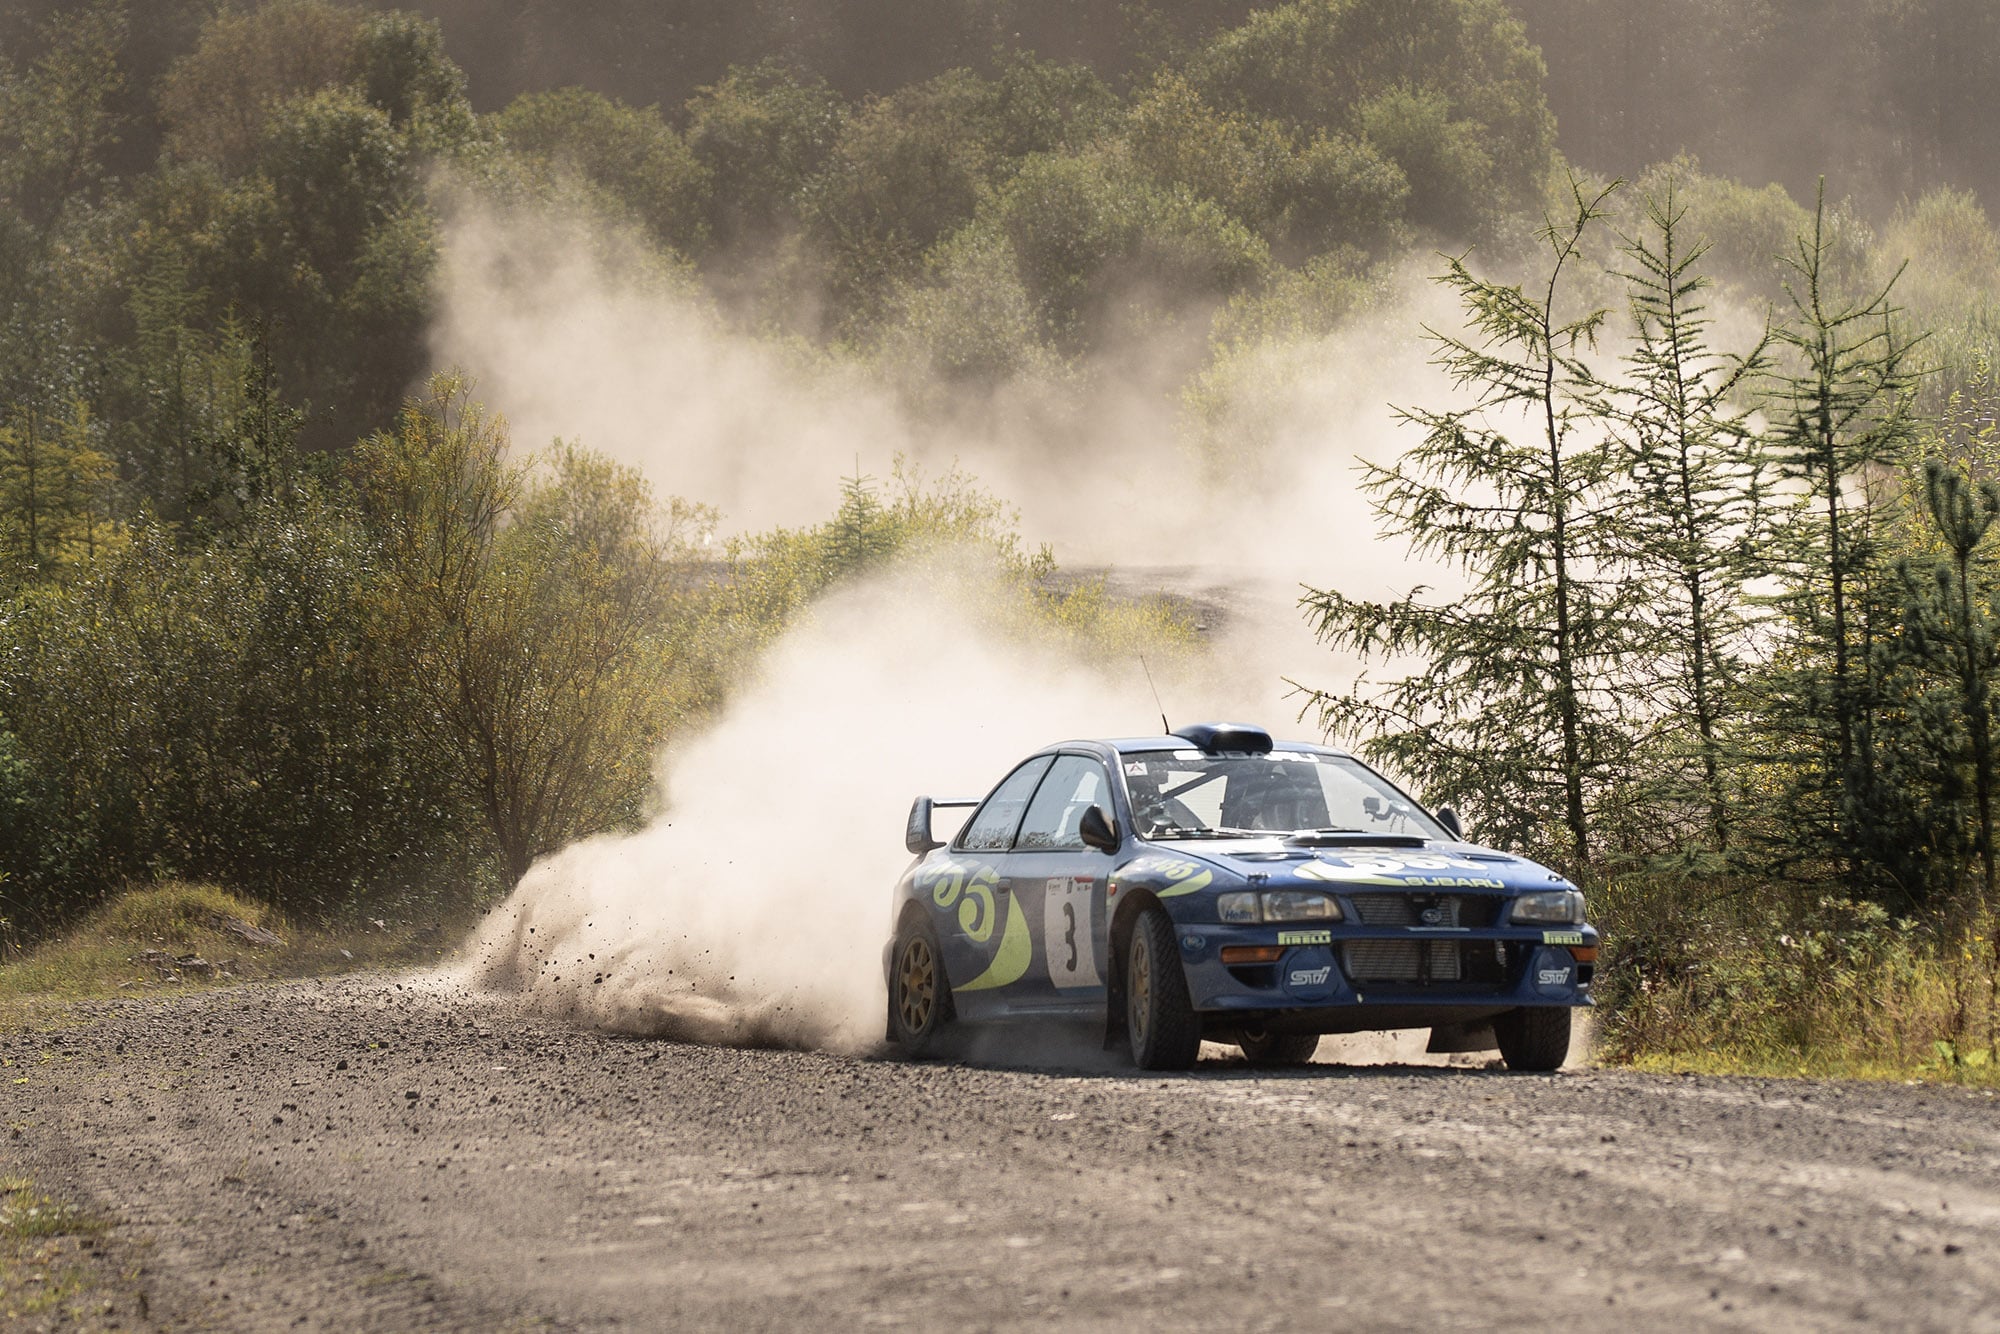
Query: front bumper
x: 1347, y: 975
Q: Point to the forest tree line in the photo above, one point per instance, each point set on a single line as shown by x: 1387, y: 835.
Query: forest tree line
x: 280, y: 615
x: 1886, y: 96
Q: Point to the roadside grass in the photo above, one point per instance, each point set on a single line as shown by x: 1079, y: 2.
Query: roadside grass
x: 177, y: 936
x: 50, y: 1267
x: 27, y: 1215
x: 1726, y: 977
x: 1779, y: 1064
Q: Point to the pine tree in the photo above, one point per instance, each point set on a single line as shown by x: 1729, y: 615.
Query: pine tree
x: 1509, y: 711
x: 1699, y: 506
x: 1956, y: 626
x: 1841, y: 425
x: 54, y: 490
x: 859, y: 535
x: 184, y: 387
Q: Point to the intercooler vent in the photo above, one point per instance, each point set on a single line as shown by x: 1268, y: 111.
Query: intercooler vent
x: 1402, y: 960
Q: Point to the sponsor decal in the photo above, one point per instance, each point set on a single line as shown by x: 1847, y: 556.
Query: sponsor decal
x: 1552, y: 977
x: 1343, y: 875
x: 1562, y: 937
x: 1309, y: 977
x: 970, y: 887
x: 1192, y: 944
x: 1305, y: 937
x: 1426, y: 871
x: 1183, y: 877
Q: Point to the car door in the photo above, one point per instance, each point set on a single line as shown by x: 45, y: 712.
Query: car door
x: 981, y: 929
x: 1059, y: 886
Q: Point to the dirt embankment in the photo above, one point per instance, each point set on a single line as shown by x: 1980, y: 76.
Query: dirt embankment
x: 368, y: 1156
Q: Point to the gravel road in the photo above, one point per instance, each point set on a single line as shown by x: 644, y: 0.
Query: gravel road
x: 381, y: 1155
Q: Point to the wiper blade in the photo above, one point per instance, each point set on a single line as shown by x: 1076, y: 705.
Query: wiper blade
x: 1175, y: 831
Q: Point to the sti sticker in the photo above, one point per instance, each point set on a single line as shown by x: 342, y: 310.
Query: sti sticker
x: 1305, y: 937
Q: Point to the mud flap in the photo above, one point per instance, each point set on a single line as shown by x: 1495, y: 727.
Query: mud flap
x: 1451, y: 1038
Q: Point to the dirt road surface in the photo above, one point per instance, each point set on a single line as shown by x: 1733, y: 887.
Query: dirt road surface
x: 369, y: 1155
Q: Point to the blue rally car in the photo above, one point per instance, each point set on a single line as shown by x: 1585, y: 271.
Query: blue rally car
x: 1215, y: 884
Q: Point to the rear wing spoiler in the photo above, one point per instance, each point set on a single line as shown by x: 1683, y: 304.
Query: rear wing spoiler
x: 918, y: 837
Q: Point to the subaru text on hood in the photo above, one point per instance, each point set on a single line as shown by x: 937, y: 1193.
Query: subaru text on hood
x: 1215, y: 884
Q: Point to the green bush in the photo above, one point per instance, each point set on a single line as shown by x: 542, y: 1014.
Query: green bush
x: 1099, y: 253
x: 761, y: 132
x: 967, y: 323
x: 1452, y: 83
x: 1720, y: 974
x: 178, y: 914
x: 631, y: 156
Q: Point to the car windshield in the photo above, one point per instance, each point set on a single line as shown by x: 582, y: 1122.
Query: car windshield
x: 1192, y: 794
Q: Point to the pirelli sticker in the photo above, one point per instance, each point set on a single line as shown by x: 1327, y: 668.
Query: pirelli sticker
x: 1562, y: 937
x: 1305, y: 937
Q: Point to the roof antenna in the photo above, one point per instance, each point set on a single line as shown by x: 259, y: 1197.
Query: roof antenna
x: 1166, y: 729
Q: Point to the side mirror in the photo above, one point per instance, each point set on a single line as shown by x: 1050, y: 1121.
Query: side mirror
x: 1097, y: 831
x: 917, y: 836
x: 1448, y: 817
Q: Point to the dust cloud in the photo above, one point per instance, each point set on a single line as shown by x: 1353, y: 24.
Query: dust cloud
x: 573, y: 332
x: 754, y: 908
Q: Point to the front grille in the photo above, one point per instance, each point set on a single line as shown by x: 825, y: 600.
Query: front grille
x: 1469, y: 910
x: 1402, y: 960
x: 1385, y: 909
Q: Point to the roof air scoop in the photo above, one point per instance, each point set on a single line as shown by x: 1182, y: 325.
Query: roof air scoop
x: 1226, y: 736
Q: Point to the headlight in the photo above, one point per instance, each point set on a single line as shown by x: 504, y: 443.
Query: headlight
x: 1238, y: 908
x: 1276, y: 905
x: 1550, y: 905
x: 1291, y: 905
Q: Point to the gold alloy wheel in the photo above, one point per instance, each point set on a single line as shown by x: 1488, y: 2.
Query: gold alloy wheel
x: 1139, y: 990
x: 916, y: 994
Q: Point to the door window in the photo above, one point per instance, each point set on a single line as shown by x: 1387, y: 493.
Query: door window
x: 1074, y: 785
x: 992, y: 826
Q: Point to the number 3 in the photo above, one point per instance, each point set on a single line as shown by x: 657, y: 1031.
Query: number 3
x: 1065, y: 918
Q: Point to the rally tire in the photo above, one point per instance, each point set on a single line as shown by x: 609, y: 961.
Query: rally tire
x: 1535, y: 1039
x: 919, y: 997
x: 1261, y: 1047
x: 1160, y: 1023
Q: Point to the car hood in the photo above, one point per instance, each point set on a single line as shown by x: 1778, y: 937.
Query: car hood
x: 1359, y: 867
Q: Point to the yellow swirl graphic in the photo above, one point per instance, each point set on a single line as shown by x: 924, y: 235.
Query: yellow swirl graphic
x: 1187, y: 886
x: 1011, y: 960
